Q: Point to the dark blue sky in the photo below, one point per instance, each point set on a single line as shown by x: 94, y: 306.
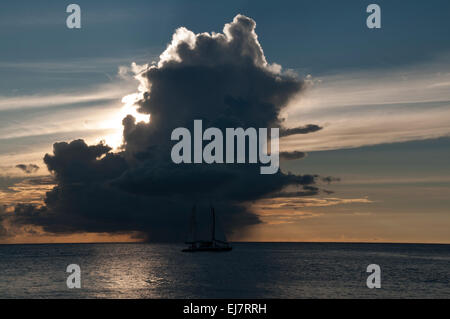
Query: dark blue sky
x: 314, y: 35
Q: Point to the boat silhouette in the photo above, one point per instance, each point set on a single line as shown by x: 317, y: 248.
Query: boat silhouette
x: 213, y: 245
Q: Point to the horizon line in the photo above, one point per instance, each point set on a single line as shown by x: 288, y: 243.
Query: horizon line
x: 234, y: 242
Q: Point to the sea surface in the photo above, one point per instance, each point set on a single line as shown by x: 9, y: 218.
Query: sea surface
x: 251, y: 270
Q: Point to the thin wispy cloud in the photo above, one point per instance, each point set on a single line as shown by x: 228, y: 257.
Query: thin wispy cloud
x: 104, y: 92
x: 80, y: 65
x: 373, y: 107
x: 29, y: 124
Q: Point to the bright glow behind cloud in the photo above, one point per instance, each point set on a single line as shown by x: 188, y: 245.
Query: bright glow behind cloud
x: 129, y: 108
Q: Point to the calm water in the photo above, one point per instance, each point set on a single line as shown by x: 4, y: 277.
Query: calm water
x: 251, y: 270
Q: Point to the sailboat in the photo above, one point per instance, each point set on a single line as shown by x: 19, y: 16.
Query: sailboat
x: 214, y: 244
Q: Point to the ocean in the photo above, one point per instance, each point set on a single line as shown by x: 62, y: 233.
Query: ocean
x: 251, y: 270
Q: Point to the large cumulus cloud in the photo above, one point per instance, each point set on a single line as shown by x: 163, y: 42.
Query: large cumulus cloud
x: 223, y: 79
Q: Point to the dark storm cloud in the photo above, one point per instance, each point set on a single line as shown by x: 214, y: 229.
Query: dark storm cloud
x: 76, y: 162
x: 222, y: 79
x: 330, y: 179
x: 310, y: 128
x: 289, y: 156
x: 30, y: 168
x: 306, y: 192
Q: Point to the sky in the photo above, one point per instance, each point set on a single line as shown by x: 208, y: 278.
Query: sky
x: 380, y: 96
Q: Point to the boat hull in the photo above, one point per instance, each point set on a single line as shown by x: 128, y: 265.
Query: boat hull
x: 207, y: 249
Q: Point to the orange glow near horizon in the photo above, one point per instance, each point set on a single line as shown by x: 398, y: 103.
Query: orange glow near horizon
x: 283, y: 219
